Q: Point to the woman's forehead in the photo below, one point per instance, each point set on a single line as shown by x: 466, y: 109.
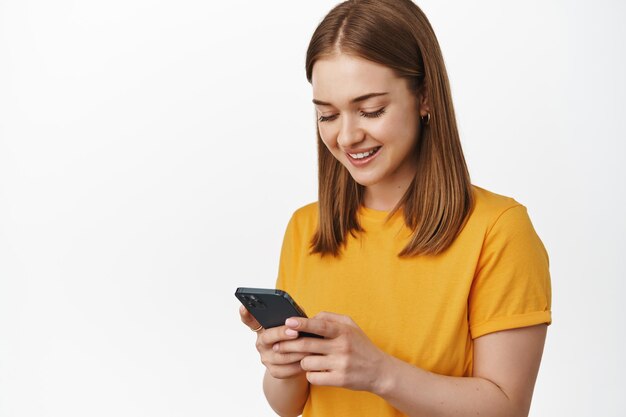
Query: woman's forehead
x: 341, y: 78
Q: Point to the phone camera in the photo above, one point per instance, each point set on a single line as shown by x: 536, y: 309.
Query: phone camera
x: 253, y: 302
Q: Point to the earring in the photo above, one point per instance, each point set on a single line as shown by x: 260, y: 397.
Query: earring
x: 426, y: 120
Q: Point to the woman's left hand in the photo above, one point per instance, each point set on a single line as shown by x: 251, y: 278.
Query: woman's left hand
x: 344, y: 358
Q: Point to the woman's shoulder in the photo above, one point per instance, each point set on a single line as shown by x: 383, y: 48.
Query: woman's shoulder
x: 305, y: 218
x: 307, y: 211
x: 492, y: 209
x: 489, y: 204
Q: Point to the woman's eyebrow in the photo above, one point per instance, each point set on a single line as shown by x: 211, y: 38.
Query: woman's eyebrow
x: 354, y: 100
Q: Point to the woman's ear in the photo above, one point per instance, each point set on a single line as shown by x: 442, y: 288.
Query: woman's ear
x: 423, y: 102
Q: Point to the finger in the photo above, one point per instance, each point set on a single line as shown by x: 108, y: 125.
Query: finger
x: 326, y: 378
x: 317, y: 363
x: 305, y: 345
x: 334, y: 317
x: 275, y: 334
x: 286, y: 358
x: 326, y: 328
x: 248, y: 319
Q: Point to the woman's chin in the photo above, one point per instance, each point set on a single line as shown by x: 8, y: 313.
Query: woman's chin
x: 364, y: 180
x: 365, y: 176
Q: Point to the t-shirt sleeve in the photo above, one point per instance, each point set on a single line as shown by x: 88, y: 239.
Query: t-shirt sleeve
x: 511, y: 286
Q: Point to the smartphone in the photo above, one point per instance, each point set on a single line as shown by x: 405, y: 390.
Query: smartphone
x: 270, y: 307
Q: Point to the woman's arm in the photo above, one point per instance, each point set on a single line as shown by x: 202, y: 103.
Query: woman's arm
x: 284, y: 383
x: 286, y: 396
x: 506, y: 364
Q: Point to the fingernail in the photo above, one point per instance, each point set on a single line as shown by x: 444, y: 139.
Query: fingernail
x: 291, y: 332
x: 291, y: 322
x: 275, y: 347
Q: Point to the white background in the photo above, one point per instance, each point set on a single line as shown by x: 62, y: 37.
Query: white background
x: 151, y: 153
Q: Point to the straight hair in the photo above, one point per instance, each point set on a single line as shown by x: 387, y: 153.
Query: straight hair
x: 397, y: 34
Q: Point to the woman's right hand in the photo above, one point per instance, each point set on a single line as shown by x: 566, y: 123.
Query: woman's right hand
x: 279, y: 365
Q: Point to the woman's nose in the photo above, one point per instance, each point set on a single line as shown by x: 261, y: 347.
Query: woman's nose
x: 350, y: 133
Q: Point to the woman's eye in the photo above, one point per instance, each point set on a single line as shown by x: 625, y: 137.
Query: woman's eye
x: 327, y: 118
x: 377, y: 113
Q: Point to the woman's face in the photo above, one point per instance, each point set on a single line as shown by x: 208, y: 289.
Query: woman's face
x: 368, y: 119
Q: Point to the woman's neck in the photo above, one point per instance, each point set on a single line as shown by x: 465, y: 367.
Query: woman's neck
x: 383, y: 197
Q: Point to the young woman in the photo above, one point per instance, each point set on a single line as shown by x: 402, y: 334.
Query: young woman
x: 433, y: 295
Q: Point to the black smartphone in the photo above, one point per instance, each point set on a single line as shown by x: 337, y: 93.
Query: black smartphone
x: 270, y: 307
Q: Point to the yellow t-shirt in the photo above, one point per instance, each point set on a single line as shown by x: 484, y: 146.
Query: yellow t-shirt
x: 424, y: 310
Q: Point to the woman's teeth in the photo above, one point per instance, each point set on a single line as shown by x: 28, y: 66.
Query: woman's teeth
x: 364, y: 154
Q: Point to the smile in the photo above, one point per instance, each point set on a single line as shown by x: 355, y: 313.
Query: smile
x: 359, y: 159
x: 362, y: 155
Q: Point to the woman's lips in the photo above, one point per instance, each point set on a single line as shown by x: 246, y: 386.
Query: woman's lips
x: 364, y: 157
